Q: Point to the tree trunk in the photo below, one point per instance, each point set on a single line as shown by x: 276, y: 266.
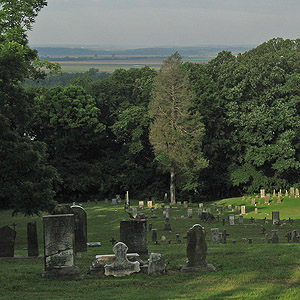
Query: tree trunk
x: 172, y: 186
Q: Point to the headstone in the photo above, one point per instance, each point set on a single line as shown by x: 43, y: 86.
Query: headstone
x: 134, y: 212
x: 163, y: 238
x: 224, y: 236
x: 149, y: 204
x: 190, y: 213
x: 200, y: 210
x: 150, y: 226
x: 196, y: 251
x: 295, y: 236
x: 121, y: 266
x: 288, y: 236
x: 80, y: 219
x: 243, y: 209
x: 275, y: 236
x: 267, y: 200
x: 274, y: 193
x: 262, y: 193
x: 286, y: 193
x: 230, y: 207
x: 166, y: 197
x: 127, y: 201
x: 297, y: 193
x: 292, y: 191
x: 275, y: 218
x: 179, y: 205
x: 241, y: 220
x: 237, y: 209
x: 156, y: 264
x: 113, y: 201
x: 167, y: 213
x: 59, y: 243
x: 167, y: 225
x: 154, y: 235
x: 133, y: 233
x: 231, y: 219
x: 7, y: 241
x: 279, y: 193
x: 253, y: 201
x: 208, y: 210
x: 156, y: 206
x: 106, y: 201
x: 185, y: 204
x: 278, y: 199
x: 32, y: 239
x: 62, y: 209
x: 215, y: 236
x: 256, y: 210
x: 200, y: 205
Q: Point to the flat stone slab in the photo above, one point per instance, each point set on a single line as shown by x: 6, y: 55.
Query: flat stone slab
x: 95, y: 244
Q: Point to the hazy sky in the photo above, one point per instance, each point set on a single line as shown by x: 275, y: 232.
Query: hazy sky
x: 165, y: 22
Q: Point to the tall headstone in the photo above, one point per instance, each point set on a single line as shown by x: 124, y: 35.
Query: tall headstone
x: 133, y: 233
x: 200, y: 205
x: 167, y: 226
x: 149, y: 204
x: 7, y: 241
x: 121, y: 266
x: 231, y: 219
x: 237, y: 209
x: 292, y: 191
x: 154, y: 235
x: 59, y: 243
x: 32, y: 239
x: 275, y: 236
x: 80, y: 219
x: 141, y: 204
x: 196, y: 251
x: 262, y: 193
x: 243, y: 210
x: 134, y: 212
x: 295, y: 236
x: 190, y: 213
x: 256, y: 210
x: 253, y: 201
x: 275, y: 218
x: 185, y: 204
x: 127, y: 201
x: 241, y: 220
x: 274, y: 193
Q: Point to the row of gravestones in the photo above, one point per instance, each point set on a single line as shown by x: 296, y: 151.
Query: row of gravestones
x: 8, y: 235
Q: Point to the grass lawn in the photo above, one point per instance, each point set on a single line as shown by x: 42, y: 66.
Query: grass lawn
x: 245, y: 271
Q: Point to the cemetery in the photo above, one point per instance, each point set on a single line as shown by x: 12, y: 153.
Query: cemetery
x: 131, y: 249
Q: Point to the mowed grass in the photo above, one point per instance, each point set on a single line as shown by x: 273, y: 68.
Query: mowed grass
x: 245, y: 271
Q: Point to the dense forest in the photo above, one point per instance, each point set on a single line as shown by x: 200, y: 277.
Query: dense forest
x: 89, y: 138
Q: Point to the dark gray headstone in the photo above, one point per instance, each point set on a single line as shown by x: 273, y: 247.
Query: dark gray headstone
x: 32, y: 239
x: 133, y: 233
x: 196, y: 251
x: 275, y: 218
x: 80, y: 219
x: 7, y: 241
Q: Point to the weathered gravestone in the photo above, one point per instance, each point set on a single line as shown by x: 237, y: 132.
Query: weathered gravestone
x: 185, y: 204
x: 292, y: 191
x: 274, y: 236
x: 59, y: 242
x: 275, y: 218
x: 241, y: 220
x: 149, y: 204
x: 295, y: 236
x: 7, y: 241
x: 262, y: 193
x: 62, y: 209
x: 32, y: 239
x: 256, y: 210
x: 113, y: 201
x: 121, y: 266
x: 196, y: 251
x: 190, y: 213
x: 80, y: 219
x: 154, y: 235
x: 167, y: 226
x: 253, y: 201
x: 231, y: 219
x: 156, y: 264
x: 215, y: 236
x: 237, y: 209
x: 133, y: 233
x: 141, y: 204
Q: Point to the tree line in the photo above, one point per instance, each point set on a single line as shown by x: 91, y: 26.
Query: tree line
x: 224, y: 128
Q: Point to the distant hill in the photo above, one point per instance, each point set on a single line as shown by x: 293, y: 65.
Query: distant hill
x: 184, y: 51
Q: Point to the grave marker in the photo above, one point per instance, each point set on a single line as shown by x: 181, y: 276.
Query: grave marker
x: 80, y: 219
x: 7, y: 244
x: 32, y: 239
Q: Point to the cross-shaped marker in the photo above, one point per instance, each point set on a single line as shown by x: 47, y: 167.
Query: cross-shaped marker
x: 113, y: 241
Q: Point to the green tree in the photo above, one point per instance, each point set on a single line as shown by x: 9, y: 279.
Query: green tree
x: 26, y: 179
x: 176, y: 132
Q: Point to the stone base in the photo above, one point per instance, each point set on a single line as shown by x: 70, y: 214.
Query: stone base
x: 61, y: 272
x: 199, y: 268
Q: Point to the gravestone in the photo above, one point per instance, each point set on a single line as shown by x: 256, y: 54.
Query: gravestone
x: 295, y: 236
x: 179, y: 205
x: 185, y: 204
x: 224, y: 236
x: 149, y: 204
x: 262, y: 193
x: 297, y: 193
x: 267, y: 200
x: 156, y: 206
x: 121, y: 266
x: 286, y: 193
x: 200, y: 210
x: 278, y: 199
x: 113, y: 201
x: 32, y: 239
x: 59, y: 243
x: 80, y: 219
x: 150, y: 227
x: 200, y: 205
x: 253, y: 201
x: 62, y: 209
x: 231, y: 219
x: 241, y: 220
x: 167, y: 213
x: 167, y: 225
x: 196, y: 251
x: 154, y: 235
x: 243, y: 209
x: 215, y: 236
x: 230, y: 206
x: 7, y: 241
x: 156, y: 264
x: 237, y: 209
x: 134, y: 212
x: 133, y: 233
x: 118, y: 197
x: 106, y: 201
x: 141, y: 204
x: 292, y: 191
x: 127, y: 201
x: 274, y: 236
x: 274, y: 193
x: 256, y: 210
x: 275, y: 218
x: 190, y: 213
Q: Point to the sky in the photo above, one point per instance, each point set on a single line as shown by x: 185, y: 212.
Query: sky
x: 152, y: 23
